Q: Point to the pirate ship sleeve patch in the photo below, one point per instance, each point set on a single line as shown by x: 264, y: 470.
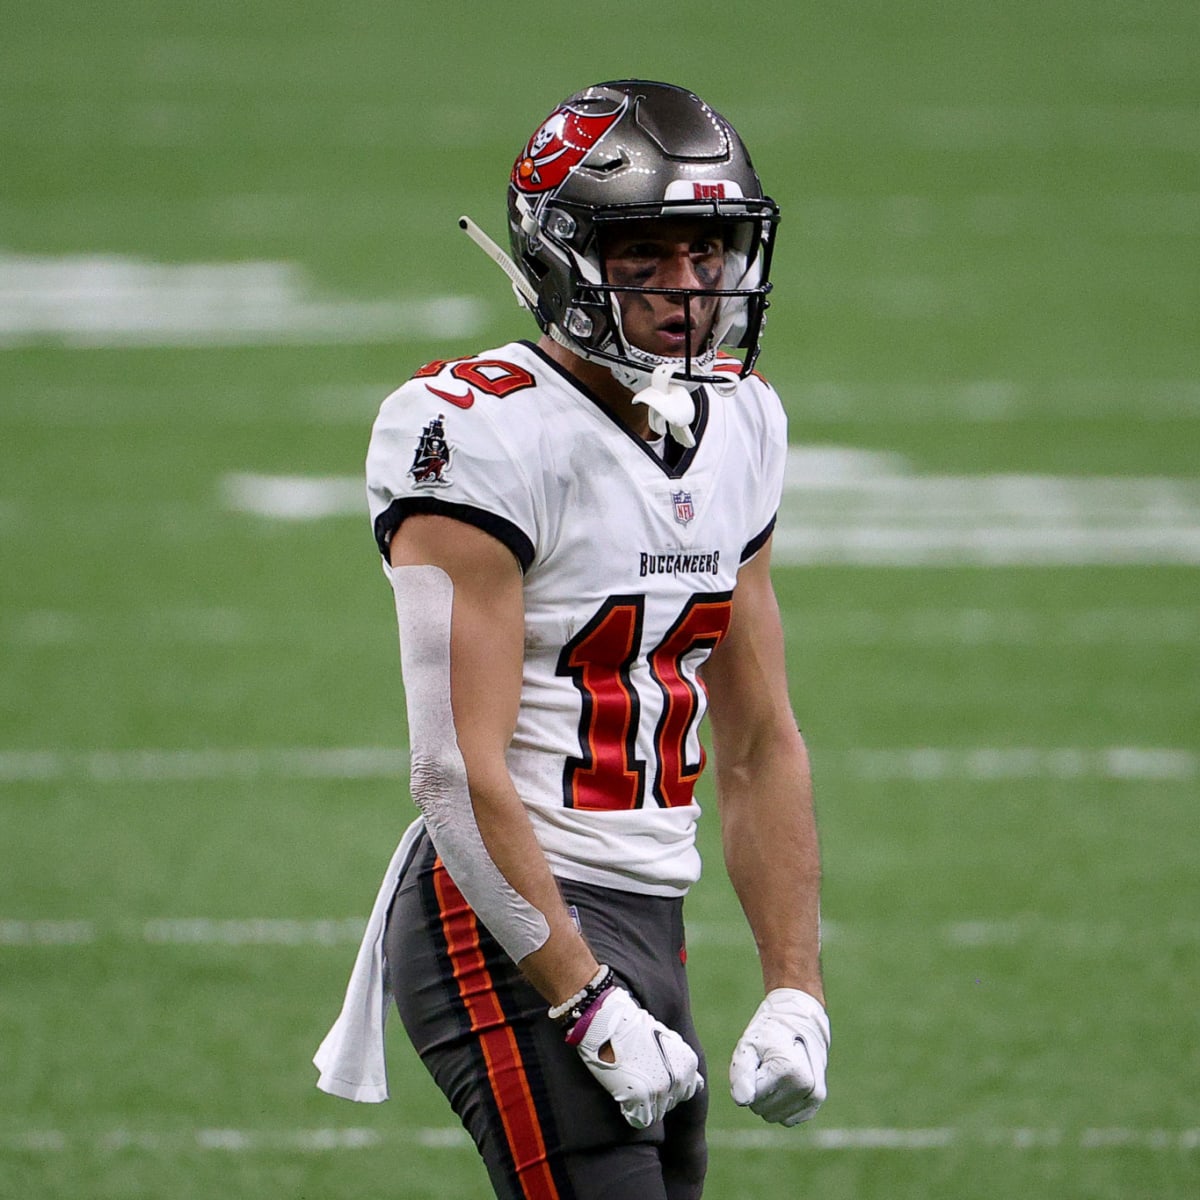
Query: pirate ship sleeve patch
x: 430, y: 466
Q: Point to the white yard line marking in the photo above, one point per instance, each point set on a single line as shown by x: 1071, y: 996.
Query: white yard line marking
x: 182, y: 766
x: 105, y: 301
x: 996, y: 401
x: 919, y: 764
x: 834, y: 1139
x: 1090, y: 937
x: 986, y: 545
x: 931, y: 764
x: 865, y: 508
x: 1009, y: 626
x: 844, y: 506
x: 452, y: 1138
x: 970, y: 402
x: 46, y: 933
x: 257, y: 931
x: 294, y: 497
x: 1143, y: 625
x: 190, y: 625
x: 1025, y: 929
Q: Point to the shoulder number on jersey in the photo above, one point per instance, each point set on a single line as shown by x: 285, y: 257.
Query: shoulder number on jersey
x: 492, y: 376
x: 607, y: 774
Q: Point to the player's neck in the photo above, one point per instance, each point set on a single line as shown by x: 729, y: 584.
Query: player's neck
x: 599, y: 380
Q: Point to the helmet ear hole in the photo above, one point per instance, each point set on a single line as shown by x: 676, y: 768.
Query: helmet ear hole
x: 533, y: 269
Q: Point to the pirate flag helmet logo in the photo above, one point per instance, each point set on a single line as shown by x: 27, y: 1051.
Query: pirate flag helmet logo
x: 560, y: 144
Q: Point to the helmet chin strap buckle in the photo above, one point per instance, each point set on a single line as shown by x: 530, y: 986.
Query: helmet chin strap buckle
x: 671, y: 406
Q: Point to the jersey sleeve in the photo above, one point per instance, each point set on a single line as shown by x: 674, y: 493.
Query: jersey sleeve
x: 771, y: 434
x: 431, y: 454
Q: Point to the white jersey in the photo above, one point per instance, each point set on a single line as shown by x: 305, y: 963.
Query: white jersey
x: 629, y: 564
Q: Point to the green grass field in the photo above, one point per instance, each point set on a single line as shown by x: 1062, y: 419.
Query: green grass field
x: 227, y: 230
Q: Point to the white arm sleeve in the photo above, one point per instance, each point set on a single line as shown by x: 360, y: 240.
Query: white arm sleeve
x: 424, y: 602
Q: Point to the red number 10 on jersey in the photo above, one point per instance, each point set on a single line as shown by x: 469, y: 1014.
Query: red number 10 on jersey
x: 607, y: 774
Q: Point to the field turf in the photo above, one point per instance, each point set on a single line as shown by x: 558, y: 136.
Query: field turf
x: 227, y: 230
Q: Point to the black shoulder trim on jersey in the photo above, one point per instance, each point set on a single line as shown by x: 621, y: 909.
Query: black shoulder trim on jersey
x: 755, y: 544
x: 677, y: 459
x: 502, y: 529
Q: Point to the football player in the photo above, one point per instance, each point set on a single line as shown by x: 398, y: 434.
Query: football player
x: 577, y: 532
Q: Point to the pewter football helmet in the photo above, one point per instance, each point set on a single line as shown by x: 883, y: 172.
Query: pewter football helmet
x: 626, y: 151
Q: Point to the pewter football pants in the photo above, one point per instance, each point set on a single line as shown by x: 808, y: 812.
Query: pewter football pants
x: 545, y: 1128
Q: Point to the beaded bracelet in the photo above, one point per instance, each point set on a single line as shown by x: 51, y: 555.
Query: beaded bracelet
x: 569, y: 1011
x: 577, y: 1031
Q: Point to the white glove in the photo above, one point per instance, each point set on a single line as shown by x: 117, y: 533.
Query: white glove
x: 653, y: 1070
x: 778, y: 1066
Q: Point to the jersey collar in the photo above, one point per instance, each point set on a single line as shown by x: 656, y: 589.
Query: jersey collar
x: 676, y: 459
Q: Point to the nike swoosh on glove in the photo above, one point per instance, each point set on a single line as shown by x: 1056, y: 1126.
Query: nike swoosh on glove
x: 778, y: 1066
x: 653, y: 1070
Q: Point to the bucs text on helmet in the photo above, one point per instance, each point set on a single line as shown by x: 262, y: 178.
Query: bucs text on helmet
x: 634, y: 150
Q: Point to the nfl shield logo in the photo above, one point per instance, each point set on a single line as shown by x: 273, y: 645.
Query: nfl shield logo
x: 684, y: 511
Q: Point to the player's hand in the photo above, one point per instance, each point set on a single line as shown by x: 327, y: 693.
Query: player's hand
x: 652, y: 1068
x: 778, y: 1066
